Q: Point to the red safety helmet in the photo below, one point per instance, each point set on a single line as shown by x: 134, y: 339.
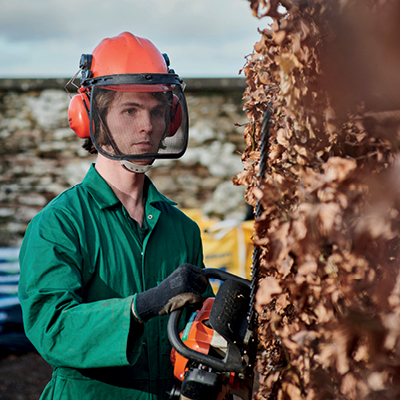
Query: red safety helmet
x: 128, y: 70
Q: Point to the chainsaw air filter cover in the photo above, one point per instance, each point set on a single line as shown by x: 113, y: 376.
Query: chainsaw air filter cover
x: 228, y: 315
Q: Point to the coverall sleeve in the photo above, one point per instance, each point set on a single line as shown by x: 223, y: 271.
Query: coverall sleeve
x: 66, y: 331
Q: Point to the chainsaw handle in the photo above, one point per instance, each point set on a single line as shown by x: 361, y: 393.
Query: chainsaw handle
x: 232, y: 361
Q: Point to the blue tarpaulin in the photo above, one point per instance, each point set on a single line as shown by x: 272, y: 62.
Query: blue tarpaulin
x: 12, y: 336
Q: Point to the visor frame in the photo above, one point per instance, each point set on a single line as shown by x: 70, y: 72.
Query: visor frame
x: 133, y: 79
x: 150, y: 81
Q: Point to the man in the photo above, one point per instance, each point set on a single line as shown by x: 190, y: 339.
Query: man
x: 105, y: 261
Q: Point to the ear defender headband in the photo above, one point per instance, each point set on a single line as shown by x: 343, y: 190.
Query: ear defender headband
x: 79, y: 106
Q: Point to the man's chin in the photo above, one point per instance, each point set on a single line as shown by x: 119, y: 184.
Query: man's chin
x: 143, y: 162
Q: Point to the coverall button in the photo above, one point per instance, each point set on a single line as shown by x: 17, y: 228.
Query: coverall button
x: 150, y: 217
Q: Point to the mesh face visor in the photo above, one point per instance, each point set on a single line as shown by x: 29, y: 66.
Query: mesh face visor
x: 139, y: 122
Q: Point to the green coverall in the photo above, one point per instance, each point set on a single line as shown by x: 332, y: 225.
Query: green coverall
x: 82, y: 260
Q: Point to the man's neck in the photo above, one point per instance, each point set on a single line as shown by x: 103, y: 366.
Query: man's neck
x: 127, y: 186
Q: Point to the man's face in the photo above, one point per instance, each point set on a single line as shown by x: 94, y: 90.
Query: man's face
x: 136, y: 122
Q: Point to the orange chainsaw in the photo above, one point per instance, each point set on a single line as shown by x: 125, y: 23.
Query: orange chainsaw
x: 214, y: 356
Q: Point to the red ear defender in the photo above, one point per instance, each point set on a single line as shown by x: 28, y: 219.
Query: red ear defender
x: 176, y: 117
x: 78, y: 118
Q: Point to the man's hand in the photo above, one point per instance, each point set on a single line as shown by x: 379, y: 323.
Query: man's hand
x: 184, y: 286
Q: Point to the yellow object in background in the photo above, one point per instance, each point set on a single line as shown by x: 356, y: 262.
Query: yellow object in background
x: 226, y: 244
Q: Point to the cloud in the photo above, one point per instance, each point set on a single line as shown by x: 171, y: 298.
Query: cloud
x: 206, y: 37
x: 22, y: 21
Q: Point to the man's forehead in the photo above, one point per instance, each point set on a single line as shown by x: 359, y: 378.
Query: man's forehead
x: 139, y: 98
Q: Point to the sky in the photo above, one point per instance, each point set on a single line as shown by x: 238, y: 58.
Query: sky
x: 203, y: 38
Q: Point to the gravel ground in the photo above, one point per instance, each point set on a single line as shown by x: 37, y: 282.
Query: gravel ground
x: 23, y: 377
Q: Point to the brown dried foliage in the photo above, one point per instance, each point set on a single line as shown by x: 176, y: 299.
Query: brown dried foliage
x: 329, y: 288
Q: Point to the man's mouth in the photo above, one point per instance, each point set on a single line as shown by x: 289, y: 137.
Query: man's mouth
x: 144, y: 144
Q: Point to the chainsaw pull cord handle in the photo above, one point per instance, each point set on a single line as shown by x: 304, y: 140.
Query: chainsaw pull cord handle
x: 232, y: 362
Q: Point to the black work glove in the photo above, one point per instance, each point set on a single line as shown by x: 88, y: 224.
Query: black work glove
x: 183, y: 286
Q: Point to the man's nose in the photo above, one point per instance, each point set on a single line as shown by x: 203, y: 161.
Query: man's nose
x: 145, y: 123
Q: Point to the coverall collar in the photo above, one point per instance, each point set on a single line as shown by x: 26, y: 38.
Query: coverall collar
x: 105, y: 197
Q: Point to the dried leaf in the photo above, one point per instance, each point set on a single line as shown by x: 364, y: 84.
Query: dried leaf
x: 267, y: 287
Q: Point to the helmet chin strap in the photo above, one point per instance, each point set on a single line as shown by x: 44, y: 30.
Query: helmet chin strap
x: 137, y: 169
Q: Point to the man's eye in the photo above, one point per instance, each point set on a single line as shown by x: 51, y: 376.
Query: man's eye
x: 158, y: 112
x: 130, y: 111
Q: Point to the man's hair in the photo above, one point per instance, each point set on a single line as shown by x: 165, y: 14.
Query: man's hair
x: 89, y: 146
x: 102, y: 100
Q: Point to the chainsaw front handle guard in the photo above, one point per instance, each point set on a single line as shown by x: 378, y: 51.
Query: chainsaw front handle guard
x: 232, y: 362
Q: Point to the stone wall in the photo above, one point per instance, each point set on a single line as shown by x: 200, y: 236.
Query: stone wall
x: 40, y: 156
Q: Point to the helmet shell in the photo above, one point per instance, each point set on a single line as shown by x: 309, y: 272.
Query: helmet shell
x: 127, y: 54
